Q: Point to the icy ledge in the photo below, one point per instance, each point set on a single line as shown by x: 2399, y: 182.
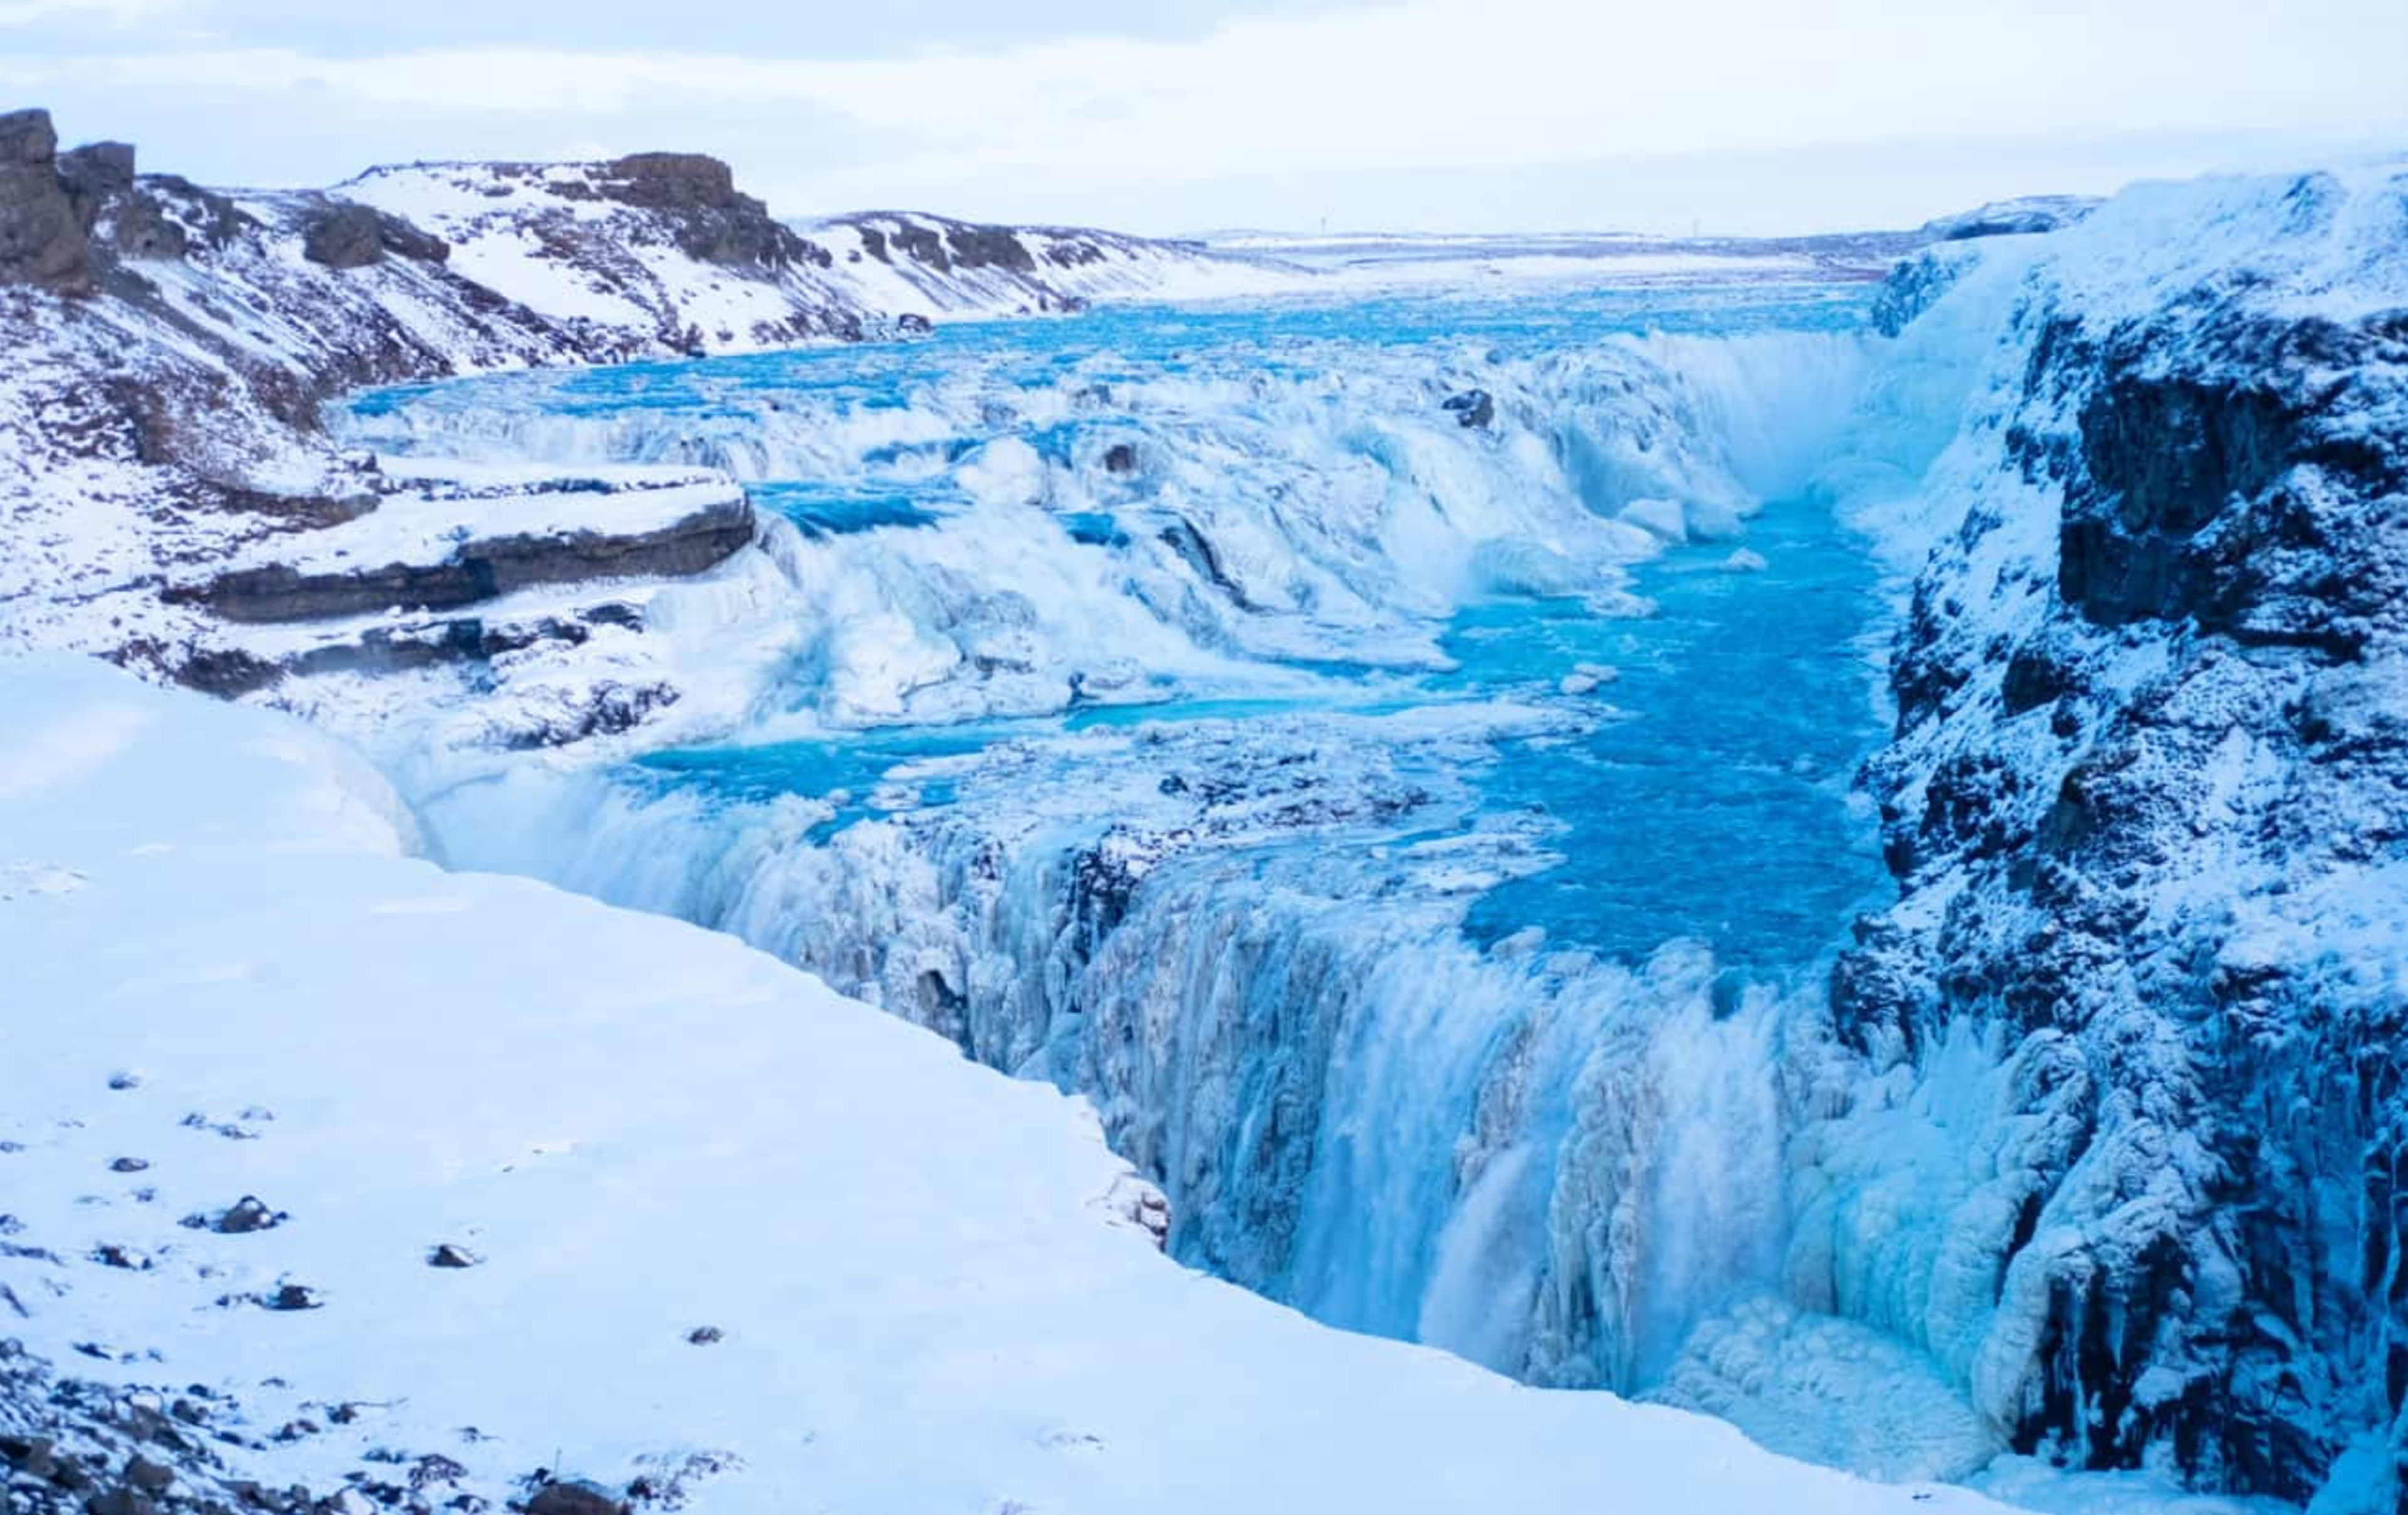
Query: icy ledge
x: 929, y: 1289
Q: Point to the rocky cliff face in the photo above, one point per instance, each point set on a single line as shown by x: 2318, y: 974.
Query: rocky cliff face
x: 660, y: 249
x: 2148, y: 809
x: 163, y: 474
x: 166, y: 485
x: 914, y: 260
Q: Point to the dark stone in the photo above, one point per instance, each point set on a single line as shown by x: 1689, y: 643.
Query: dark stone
x: 43, y: 241
x: 27, y: 139
x: 449, y: 1256
x: 2034, y: 678
x: 148, y: 1477
x: 2224, y: 490
x: 94, y: 174
x: 246, y: 1216
x: 1913, y: 286
x: 704, y: 1335
x: 921, y: 244
x: 292, y: 1296
x: 1474, y: 410
x: 143, y: 230
x: 574, y: 1499
x: 405, y: 239
x: 480, y: 571
x: 34, y: 1456
x: 713, y: 220
x: 665, y: 180
x: 229, y: 673
x: 1192, y: 546
x: 610, y: 709
x: 988, y: 247
x: 344, y: 235
x: 1120, y: 458
x: 2228, y: 502
x: 218, y: 219
x: 433, y: 1469
x: 118, y: 1501
x: 129, y: 1165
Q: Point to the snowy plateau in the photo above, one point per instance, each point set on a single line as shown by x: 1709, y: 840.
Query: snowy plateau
x: 877, y: 864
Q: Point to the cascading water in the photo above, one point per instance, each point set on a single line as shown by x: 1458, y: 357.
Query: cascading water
x: 1392, y: 757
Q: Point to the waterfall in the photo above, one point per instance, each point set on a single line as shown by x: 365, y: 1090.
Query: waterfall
x: 1215, y: 724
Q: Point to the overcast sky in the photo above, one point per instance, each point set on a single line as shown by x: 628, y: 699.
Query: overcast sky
x: 1723, y: 115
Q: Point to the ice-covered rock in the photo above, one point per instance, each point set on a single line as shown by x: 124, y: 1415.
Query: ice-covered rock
x: 2142, y: 807
x: 2027, y: 216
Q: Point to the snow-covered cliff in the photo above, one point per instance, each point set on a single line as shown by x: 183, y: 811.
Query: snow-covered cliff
x: 910, y: 260
x: 165, y: 487
x: 664, y: 246
x: 2135, y: 1165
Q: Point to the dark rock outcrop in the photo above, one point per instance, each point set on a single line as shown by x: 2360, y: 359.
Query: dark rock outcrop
x: 344, y: 237
x: 2227, y: 493
x: 244, y: 1217
x: 1196, y: 550
x: 574, y: 1499
x: 988, y: 247
x: 483, y: 570
x: 344, y: 234
x: 714, y: 222
x: 93, y: 172
x: 1473, y: 410
x: 44, y: 241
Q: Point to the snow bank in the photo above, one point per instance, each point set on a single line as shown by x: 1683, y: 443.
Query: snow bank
x: 927, y: 1296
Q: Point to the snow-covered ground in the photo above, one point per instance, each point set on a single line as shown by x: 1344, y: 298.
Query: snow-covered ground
x: 931, y: 1286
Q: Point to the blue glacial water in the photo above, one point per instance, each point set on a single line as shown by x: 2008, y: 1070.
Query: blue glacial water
x: 1715, y: 807
x: 1405, y: 832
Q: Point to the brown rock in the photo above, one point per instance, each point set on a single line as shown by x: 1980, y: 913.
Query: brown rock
x: 148, y: 1477
x: 43, y: 241
x: 574, y: 1499
x: 344, y: 235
